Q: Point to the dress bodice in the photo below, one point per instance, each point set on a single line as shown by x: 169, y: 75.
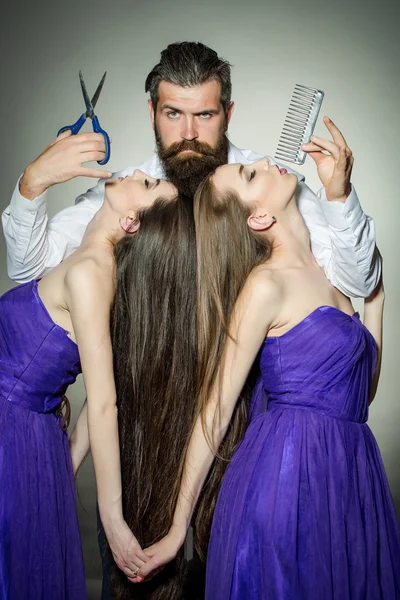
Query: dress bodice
x: 324, y: 363
x: 38, y: 361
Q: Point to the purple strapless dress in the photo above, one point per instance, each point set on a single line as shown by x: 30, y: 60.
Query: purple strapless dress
x: 305, y: 511
x: 40, y: 547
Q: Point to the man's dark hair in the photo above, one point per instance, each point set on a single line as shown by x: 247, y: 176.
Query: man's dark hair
x: 189, y: 64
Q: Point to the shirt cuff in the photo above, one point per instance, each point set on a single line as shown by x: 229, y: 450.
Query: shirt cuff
x: 23, y: 209
x: 341, y: 215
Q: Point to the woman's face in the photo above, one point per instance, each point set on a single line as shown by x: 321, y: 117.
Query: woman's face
x: 137, y: 191
x: 262, y: 184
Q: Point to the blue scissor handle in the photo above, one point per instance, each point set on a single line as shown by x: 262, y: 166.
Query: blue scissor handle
x: 98, y: 129
x: 76, y: 127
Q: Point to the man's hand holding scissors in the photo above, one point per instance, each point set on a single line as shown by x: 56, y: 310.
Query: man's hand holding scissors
x: 64, y: 158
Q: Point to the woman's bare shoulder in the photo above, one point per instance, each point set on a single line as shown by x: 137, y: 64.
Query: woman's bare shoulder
x: 260, y: 299
x: 92, y: 273
x: 265, y: 284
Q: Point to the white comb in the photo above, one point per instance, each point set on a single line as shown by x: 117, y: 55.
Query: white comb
x: 299, y: 124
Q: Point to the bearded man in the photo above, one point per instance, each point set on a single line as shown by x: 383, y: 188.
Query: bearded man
x: 190, y: 108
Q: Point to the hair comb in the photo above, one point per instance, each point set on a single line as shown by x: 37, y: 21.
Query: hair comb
x: 299, y: 124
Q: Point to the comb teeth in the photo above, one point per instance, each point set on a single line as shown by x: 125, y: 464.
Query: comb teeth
x: 299, y: 124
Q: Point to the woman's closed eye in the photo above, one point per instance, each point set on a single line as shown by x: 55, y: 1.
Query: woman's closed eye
x: 252, y: 174
x: 152, y: 184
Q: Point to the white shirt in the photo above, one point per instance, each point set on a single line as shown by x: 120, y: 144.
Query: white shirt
x: 342, y: 236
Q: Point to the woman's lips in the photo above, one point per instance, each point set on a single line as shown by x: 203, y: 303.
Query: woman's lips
x: 281, y: 171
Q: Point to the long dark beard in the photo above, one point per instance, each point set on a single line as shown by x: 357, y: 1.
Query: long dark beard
x: 187, y: 172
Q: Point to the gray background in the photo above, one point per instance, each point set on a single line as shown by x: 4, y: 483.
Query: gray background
x: 348, y: 49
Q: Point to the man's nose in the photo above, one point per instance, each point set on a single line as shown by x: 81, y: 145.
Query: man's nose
x: 189, y: 131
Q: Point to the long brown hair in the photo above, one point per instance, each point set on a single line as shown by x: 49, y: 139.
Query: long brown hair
x: 227, y: 252
x: 155, y: 350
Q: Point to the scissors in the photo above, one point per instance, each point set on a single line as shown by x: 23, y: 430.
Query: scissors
x: 89, y: 114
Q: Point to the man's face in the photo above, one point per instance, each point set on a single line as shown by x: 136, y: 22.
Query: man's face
x: 190, y: 126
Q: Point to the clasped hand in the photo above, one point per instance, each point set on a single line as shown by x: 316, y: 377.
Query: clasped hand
x: 160, y: 554
x: 334, y: 169
x: 126, y: 551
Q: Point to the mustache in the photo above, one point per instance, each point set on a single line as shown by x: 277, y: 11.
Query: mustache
x: 194, y: 145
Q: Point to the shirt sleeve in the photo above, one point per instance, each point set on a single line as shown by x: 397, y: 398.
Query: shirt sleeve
x: 342, y: 241
x: 35, y: 243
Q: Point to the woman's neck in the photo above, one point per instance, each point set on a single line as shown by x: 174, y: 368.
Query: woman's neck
x: 290, y: 240
x: 103, y: 231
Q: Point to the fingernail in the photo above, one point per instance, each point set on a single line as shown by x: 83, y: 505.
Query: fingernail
x: 327, y: 118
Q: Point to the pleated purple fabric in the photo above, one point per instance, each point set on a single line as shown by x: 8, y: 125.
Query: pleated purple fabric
x: 305, y: 510
x: 40, y: 547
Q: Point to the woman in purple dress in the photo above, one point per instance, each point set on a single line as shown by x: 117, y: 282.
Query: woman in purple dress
x: 304, y: 511
x: 50, y: 331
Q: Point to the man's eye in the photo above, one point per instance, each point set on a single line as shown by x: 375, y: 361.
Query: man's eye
x: 252, y: 174
x: 147, y: 183
x: 205, y: 115
x: 173, y: 114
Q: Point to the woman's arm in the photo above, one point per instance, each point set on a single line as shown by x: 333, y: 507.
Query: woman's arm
x: 79, y: 440
x: 253, y: 315
x: 373, y: 321
x: 89, y: 294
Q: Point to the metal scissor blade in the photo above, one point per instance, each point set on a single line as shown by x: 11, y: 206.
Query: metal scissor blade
x: 98, y: 91
x: 89, y: 107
